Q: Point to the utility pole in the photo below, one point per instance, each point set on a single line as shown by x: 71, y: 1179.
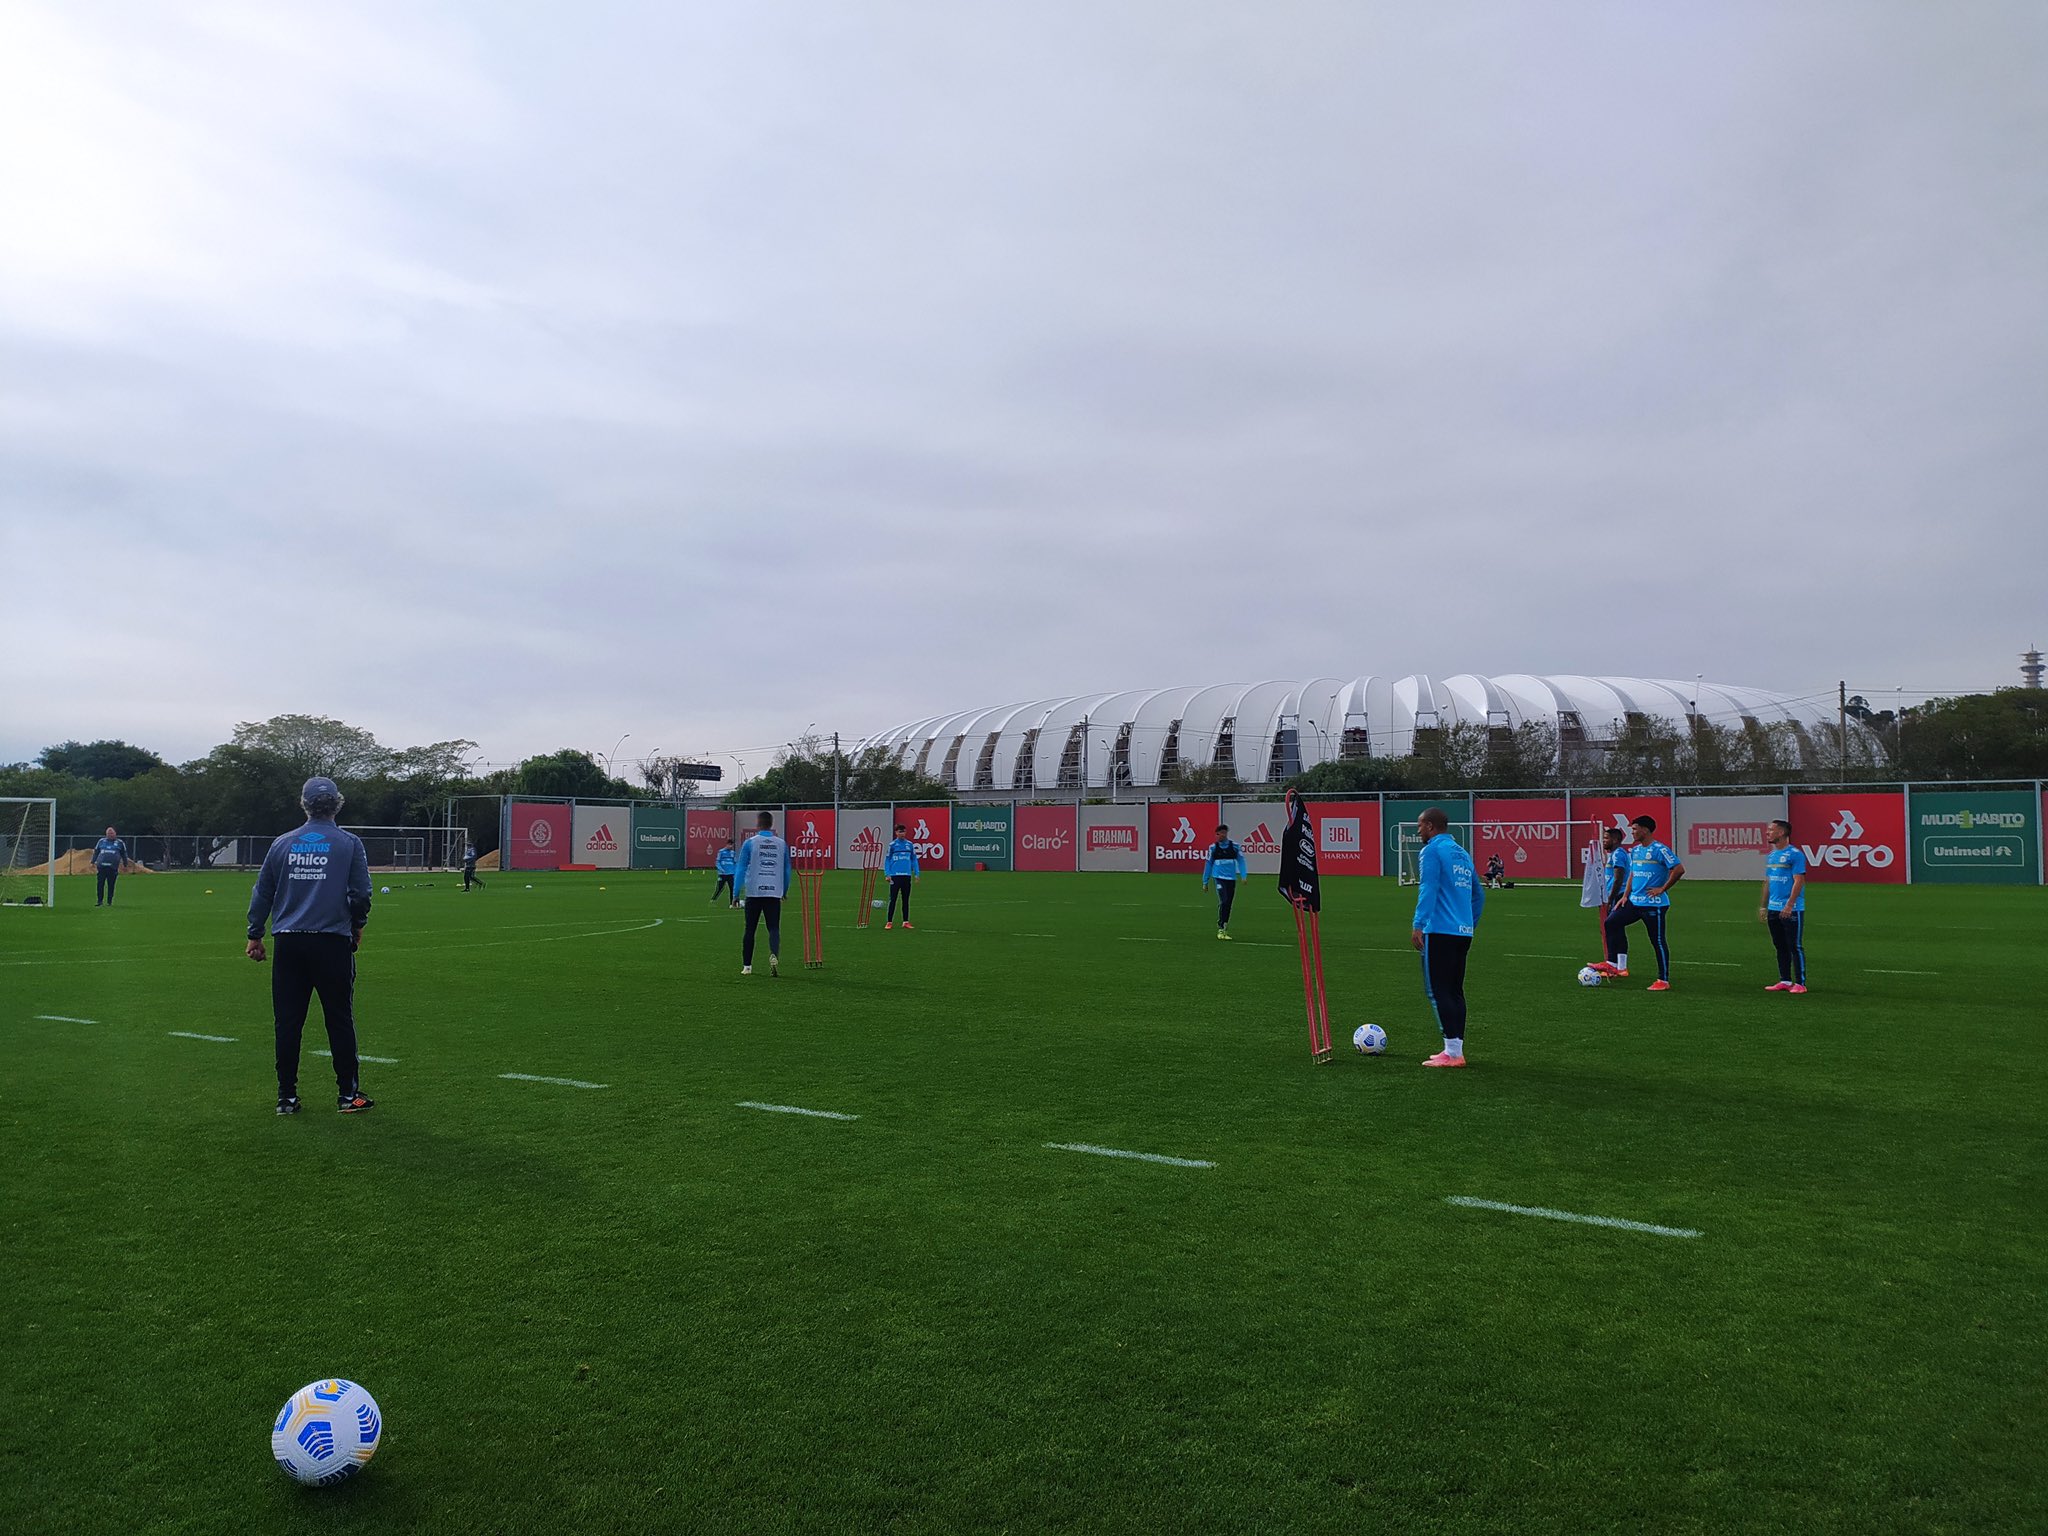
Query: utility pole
x: 835, y: 778
x: 1842, y: 723
x: 1084, y: 762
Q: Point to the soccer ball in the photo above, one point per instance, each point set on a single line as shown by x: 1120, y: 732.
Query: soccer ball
x: 386, y: 891
x: 326, y: 1431
x: 1369, y: 1039
x: 1588, y: 977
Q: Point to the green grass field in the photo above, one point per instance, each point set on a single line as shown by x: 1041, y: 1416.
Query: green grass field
x: 640, y: 1307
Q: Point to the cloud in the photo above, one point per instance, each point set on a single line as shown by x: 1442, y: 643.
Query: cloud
x: 700, y: 374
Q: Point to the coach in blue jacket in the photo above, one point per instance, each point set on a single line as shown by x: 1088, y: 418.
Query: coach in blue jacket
x: 314, y: 892
x: 1446, y: 916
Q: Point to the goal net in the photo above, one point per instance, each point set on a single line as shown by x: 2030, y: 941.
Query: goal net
x: 1529, y: 851
x: 28, y: 852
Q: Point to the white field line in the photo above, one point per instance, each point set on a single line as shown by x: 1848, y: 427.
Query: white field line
x: 382, y: 1061
x: 1549, y: 1215
x: 1132, y: 938
x: 186, y: 1034
x: 1138, y: 1157
x: 64, y: 1018
x: 1871, y: 970
x: 559, y: 1082
x: 1034, y: 935
x: 791, y: 1109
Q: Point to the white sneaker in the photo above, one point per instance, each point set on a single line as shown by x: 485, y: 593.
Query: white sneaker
x: 746, y: 970
x: 772, y: 962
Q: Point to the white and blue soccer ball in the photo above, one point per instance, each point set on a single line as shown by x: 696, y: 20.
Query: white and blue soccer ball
x: 1588, y: 977
x: 1369, y: 1039
x: 386, y: 891
x: 326, y: 1432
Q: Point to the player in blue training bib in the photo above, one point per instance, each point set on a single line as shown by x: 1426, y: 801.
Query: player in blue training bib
x: 1652, y: 870
x: 1784, y: 908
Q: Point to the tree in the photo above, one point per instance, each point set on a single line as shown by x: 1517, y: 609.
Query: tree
x: 1216, y: 779
x: 1354, y: 776
x: 2001, y: 735
x: 570, y: 775
x: 666, y: 777
x: 440, y: 762
x: 313, y: 744
x: 803, y: 774
x: 99, y: 759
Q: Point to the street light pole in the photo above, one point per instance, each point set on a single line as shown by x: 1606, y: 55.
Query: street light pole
x: 615, y: 747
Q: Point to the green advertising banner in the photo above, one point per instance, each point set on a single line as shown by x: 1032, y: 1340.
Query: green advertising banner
x: 1975, y: 837
x: 657, y: 837
x: 982, y: 835
x: 1397, y: 820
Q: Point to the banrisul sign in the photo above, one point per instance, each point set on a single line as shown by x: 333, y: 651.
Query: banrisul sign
x: 981, y: 835
x: 1978, y: 837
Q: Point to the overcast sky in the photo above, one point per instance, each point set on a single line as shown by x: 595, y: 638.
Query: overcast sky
x: 538, y: 373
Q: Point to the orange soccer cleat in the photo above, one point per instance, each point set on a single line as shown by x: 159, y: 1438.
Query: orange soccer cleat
x: 1660, y: 985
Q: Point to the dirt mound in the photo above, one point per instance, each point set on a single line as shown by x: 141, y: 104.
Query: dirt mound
x: 489, y: 860
x: 79, y: 862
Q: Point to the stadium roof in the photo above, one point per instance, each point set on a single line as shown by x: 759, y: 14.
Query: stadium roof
x: 1270, y: 730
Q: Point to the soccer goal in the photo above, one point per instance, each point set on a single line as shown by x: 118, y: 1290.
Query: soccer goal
x: 28, y: 852
x: 1527, y: 850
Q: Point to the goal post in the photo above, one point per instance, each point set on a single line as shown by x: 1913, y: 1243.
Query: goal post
x: 28, y: 852
x: 1514, y: 841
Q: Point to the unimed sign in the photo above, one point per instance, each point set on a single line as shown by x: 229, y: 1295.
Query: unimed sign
x: 1046, y: 838
x: 1978, y: 837
x: 1528, y: 836
x: 657, y: 837
x: 981, y: 836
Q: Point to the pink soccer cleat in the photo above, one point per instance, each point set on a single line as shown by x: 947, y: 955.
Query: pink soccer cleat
x: 1798, y: 989
x: 1444, y: 1059
x: 1780, y: 986
x: 1660, y: 985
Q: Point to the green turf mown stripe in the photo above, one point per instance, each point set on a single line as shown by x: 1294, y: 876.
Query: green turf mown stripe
x: 1139, y: 1157
x: 1549, y: 1215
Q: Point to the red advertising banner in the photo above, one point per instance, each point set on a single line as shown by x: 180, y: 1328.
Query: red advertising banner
x: 1528, y: 836
x: 1860, y: 837
x: 1180, y: 833
x: 704, y: 833
x: 1046, y: 838
x: 1618, y: 811
x: 540, y: 836
x: 813, y: 839
x: 1347, y: 836
x: 930, y: 830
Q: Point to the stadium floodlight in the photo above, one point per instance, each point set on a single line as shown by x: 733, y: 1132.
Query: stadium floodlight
x: 28, y: 852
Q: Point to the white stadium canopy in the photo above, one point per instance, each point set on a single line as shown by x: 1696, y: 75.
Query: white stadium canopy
x: 1272, y: 730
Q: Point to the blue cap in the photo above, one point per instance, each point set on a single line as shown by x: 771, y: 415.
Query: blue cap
x: 320, y: 790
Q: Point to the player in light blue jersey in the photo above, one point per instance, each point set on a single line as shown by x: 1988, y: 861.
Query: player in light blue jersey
x: 1226, y: 865
x: 108, y: 855
x: 1447, y: 908
x: 899, y: 863
x: 765, y: 871
x: 728, y: 865
x: 1614, y: 881
x: 1784, y: 908
x: 1652, y: 870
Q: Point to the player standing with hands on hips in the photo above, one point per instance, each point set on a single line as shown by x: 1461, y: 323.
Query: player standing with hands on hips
x: 314, y: 891
x: 1784, y: 908
x: 765, y: 872
x: 1652, y: 870
x: 900, y: 865
x: 1226, y: 866
x: 1447, y: 909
